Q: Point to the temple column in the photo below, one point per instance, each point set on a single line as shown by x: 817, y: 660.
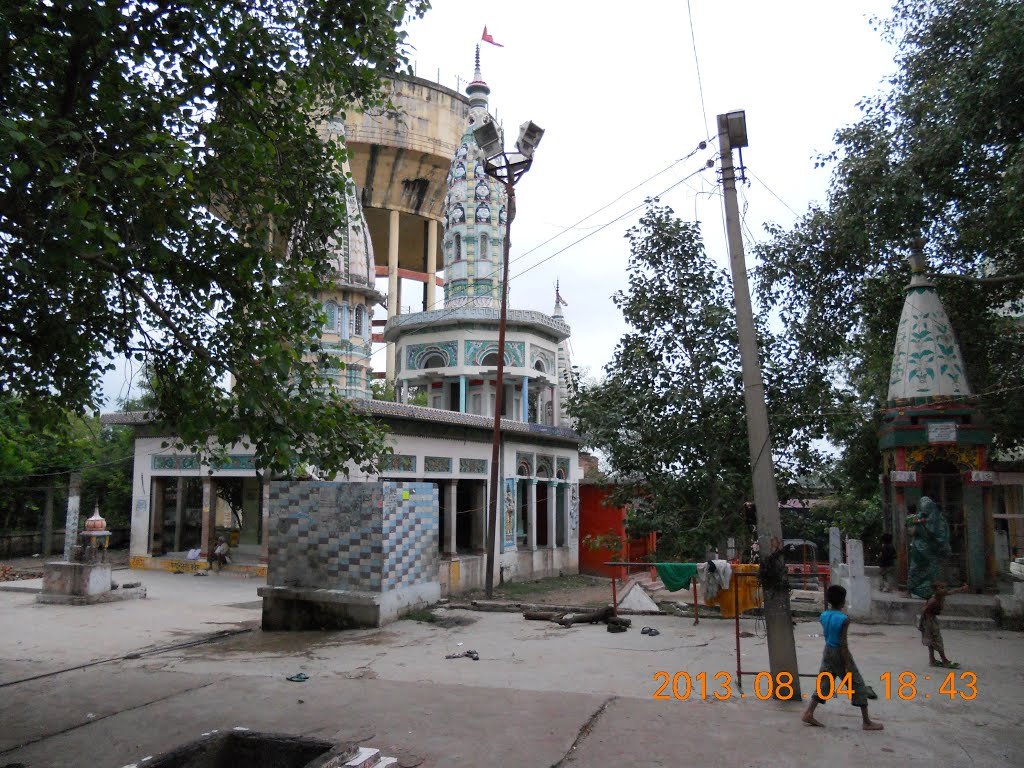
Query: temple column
x: 526, y: 399
x: 209, y: 521
x: 179, y: 513
x: 450, y: 513
x: 431, y: 265
x: 463, y: 385
x: 265, y: 518
x: 566, y: 506
x: 156, y: 522
x: 393, y: 306
x: 71, y: 520
x: 479, y: 528
x: 531, y: 515
x: 552, y: 513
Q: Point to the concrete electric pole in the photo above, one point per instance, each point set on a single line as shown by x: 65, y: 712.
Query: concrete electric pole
x: 732, y: 132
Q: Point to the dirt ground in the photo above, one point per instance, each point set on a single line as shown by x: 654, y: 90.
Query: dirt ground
x: 576, y: 590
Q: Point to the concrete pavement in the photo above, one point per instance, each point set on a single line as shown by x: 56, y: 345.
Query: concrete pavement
x: 540, y: 695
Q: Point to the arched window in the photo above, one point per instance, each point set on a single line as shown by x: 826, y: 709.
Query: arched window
x: 490, y: 360
x: 458, y: 247
x: 539, y: 365
x: 360, y: 321
x: 485, y: 247
x: 343, y: 326
x: 331, y: 311
x: 434, y: 360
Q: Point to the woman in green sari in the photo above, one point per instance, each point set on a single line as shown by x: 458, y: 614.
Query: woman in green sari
x: 929, y: 547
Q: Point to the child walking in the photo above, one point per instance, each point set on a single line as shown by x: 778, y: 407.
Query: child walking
x: 931, y: 635
x: 837, y: 662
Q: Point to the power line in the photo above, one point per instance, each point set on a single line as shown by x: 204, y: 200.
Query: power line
x: 770, y: 190
x: 696, y: 61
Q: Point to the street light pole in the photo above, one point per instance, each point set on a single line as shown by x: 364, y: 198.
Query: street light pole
x: 732, y: 131
x: 507, y: 168
x: 492, y: 522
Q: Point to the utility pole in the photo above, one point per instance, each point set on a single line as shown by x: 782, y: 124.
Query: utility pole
x: 732, y: 131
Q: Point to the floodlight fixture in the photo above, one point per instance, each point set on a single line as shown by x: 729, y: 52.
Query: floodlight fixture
x: 736, y: 128
x: 530, y: 135
x: 488, y: 138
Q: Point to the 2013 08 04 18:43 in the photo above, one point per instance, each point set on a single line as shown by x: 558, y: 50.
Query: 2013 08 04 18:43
x: 906, y: 686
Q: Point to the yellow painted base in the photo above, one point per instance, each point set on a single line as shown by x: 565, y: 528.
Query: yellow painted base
x: 147, y: 563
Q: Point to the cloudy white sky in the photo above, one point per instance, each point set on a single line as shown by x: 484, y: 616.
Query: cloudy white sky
x: 619, y: 96
x: 616, y: 88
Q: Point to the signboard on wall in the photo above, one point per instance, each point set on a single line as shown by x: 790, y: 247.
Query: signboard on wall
x: 902, y: 477
x: 941, y: 431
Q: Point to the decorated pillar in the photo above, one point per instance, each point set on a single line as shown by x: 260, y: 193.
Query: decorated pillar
x: 552, y: 513
x: 71, y: 520
x: 209, y: 528
x: 156, y: 523
x: 450, y: 514
x: 531, y: 515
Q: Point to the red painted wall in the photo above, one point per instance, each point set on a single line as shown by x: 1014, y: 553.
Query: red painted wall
x: 596, y: 519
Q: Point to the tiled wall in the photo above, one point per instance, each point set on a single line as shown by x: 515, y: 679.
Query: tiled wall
x: 357, y: 536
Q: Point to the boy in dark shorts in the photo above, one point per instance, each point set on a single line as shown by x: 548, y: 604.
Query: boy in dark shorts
x: 931, y: 635
x: 837, y: 662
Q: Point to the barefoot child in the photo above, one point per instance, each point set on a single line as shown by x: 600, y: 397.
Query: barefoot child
x: 837, y: 662
x: 931, y: 635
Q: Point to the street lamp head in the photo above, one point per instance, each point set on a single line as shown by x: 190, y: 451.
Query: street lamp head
x: 530, y: 135
x: 734, y: 125
x: 487, y: 137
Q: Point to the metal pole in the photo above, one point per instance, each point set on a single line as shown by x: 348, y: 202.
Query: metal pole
x: 492, y: 527
x: 778, y: 622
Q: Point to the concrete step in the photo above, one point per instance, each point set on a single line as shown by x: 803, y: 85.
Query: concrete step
x: 967, y: 622
x: 979, y: 606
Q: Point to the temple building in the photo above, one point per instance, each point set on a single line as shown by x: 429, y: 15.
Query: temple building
x: 935, y: 443
x: 449, y: 353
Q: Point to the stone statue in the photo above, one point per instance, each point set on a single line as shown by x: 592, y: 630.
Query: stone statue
x: 929, y: 547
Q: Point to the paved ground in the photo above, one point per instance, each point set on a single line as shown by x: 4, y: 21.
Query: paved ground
x: 539, y: 696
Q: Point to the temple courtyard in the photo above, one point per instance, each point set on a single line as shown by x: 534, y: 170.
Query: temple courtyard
x: 112, y: 684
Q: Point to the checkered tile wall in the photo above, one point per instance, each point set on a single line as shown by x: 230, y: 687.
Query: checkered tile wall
x: 358, y: 536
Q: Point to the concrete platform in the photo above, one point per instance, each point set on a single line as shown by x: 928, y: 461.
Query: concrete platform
x: 541, y: 695
x: 111, y: 596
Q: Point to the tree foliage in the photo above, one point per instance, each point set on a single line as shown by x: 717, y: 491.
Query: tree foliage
x: 936, y: 159
x: 167, y: 195
x: 669, y: 415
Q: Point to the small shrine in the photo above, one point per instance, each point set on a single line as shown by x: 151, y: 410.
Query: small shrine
x: 934, y: 440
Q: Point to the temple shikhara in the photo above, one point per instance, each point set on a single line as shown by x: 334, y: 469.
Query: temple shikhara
x: 418, y: 529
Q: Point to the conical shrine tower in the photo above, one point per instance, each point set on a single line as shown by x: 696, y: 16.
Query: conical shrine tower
x: 933, y: 439
x: 451, y: 352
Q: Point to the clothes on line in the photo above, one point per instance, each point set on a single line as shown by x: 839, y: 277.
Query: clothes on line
x: 715, y: 575
x: 746, y: 591
x: 676, y: 576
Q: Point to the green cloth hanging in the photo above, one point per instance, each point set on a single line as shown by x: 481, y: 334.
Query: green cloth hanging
x: 676, y: 576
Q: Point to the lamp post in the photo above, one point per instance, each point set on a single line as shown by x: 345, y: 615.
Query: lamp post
x: 507, y: 168
x: 732, y: 132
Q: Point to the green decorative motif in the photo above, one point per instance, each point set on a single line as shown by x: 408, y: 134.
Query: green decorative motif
x: 437, y: 464
x: 524, y: 464
x: 397, y: 462
x: 562, y: 468
x: 176, y: 461
x: 473, y: 466
x: 417, y: 354
x: 926, y: 358
x: 235, y: 462
x: 476, y: 351
x: 545, y: 466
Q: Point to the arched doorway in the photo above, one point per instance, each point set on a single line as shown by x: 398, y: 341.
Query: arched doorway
x: 943, y: 484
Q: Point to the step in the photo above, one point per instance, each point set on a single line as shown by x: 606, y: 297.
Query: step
x: 967, y: 622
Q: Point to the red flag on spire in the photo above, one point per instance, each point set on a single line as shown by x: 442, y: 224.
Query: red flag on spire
x: 489, y: 38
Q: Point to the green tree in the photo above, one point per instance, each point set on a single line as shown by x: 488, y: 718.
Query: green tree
x: 168, y: 195
x: 936, y: 159
x: 669, y: 414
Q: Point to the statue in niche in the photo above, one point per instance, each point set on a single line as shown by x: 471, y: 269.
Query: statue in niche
x: 929, y: 547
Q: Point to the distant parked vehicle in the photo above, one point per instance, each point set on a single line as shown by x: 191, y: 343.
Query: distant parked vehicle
x: 802, y: 563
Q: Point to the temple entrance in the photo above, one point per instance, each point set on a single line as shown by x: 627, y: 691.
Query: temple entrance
x: 944, y: 485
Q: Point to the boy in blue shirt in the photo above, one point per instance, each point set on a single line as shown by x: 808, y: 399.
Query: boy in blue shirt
x: 837, y: 662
